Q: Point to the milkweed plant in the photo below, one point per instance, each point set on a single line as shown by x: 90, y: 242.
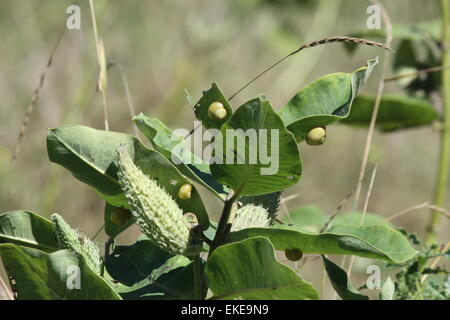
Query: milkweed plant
x: 183, y: 253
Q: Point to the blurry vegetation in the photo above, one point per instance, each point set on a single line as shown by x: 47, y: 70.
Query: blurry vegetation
x: 165, y: 47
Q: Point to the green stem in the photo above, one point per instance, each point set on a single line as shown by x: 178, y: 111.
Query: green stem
x: 198, y: 278
x: 444, y: 156
x: 200, y: 288
x: 223, y: 223
x: 107, y: 249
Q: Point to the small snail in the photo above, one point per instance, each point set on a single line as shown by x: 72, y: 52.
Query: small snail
x: 293, y: 254
x: 316, y: 136
x: 184, y: 192
x: 217, y: 111
x: 120, y: 216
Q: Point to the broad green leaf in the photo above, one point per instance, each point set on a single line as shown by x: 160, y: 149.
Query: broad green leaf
x: 175, y: 149
x: 54, y: 276
x: 249, y: 270
x: 311, y: 218
x: 134, y: 263
x: 201, y: 107
x: 308, y: 217
x: 117, y: 220
x: 324, y: 101
x: 172, y: 281
x: 91, y: 156
x: 387, y: 290
x: 29, y: 230
x: 341, y: 283
x: 146, y: 272
x: 378, y: 242
x: 370, y: 219
x: 396, y: 112
x: 255, y: 154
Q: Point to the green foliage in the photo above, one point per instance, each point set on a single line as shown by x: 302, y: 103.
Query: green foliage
x: 76, y: 241
x: 326, y: 100
x: 341, y: 283
x: 132, y: 264
x: 396, y: 112
x: 46, y: 276
x: 234, y: 272
x: 410, y: 284
x: 20, y: 227
x: 311, y: 218
x: 154, y: 187
x: 253, y: 177
x: 172, y: 146
x: 157, y: 213
x: 214, y: 94
x: 377, y: 242
x: 91, y: 156
x: 117, y: 220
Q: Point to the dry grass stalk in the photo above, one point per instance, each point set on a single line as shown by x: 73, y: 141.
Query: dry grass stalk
x: 35, y: 96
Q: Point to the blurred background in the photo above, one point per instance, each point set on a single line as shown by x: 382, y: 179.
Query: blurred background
x: 165, y: 47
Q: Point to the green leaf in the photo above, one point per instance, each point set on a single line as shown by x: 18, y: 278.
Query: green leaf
x: 249, y: 270
x: 91, y: 156
x: 311, y: 218
x: 324, y: 101
x: 354, y: 218
x: 396, y: 112
x: 146, y: 272
x: 113, y: 227
x: 29, y: 230
x: 265, y: 158
x: 134, y: 263
x: 387, y: 290
x: 175, y: 149
x: 307, y: 218
x: 172, y: 281
x: 378, y: 242
x: 341, y: 283
x: 42, y: 276
x: 201, y: 107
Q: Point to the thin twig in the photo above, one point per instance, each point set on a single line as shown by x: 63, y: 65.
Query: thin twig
x: 302, y: 47
x: 35, y: 96
x: 339, y: 207
x: 363, y: 216
x: 435, y: 262
x: 415, y: 73
x: 98, y: 232
x: 376, y: 108
x: 127, y: 90
x: 425, y: 205
x: 311, y: 45
x: 100, y: 56
x: 373, y: 120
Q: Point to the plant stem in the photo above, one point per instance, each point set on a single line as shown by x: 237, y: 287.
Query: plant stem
x: 223, y: 223
x: 444, y: 155
x: 107, y: 249
x: 197, y: 278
